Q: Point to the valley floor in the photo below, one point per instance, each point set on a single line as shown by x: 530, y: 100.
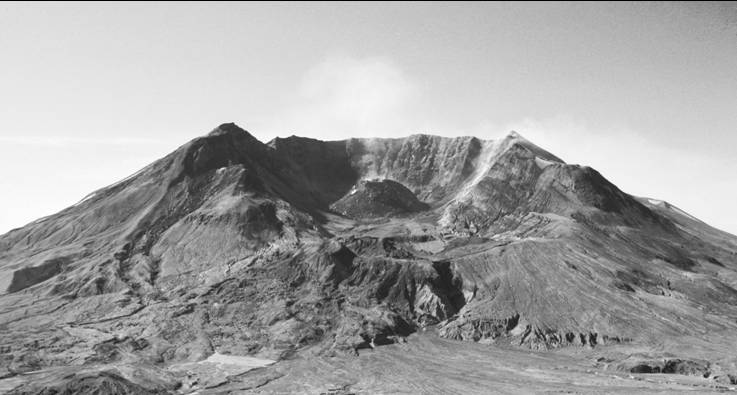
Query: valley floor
x: 428, y: 364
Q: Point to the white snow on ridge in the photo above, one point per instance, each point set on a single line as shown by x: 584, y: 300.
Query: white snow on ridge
x: 86, y: 198
x: 668, y: 206
x: 679, y: 211
x: 489, y: 152
x: 542, y: 163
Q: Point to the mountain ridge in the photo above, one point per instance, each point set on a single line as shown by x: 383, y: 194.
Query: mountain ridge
x: 305, y: 247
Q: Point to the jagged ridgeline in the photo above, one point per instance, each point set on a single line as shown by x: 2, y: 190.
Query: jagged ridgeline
x: 299, y: 245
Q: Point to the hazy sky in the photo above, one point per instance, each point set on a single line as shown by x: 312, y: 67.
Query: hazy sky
x: 646, y: 93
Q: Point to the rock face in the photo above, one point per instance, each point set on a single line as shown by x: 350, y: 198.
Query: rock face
x: 305, y: 247
x: 375, y: 199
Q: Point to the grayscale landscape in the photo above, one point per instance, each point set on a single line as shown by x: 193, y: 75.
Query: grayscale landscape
x: 418, y: 264
x: 339, y: 198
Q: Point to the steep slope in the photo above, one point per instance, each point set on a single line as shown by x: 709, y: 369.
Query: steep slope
x: 371, y: 199
x: 220, y: 187
x: 300, y: 248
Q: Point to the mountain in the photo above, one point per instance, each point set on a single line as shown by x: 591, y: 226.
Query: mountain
x: 234, y: 265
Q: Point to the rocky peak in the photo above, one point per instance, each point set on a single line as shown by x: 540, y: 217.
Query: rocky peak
x: 232, y: 246
x: 227, y: 128
x: 514, y: 139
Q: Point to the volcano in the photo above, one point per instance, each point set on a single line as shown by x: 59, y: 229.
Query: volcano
x: 422, y: 264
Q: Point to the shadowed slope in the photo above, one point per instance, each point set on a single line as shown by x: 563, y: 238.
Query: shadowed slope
x: 303, y: 248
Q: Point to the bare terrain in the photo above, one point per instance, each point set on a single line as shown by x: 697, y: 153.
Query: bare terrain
x: 412, y: 265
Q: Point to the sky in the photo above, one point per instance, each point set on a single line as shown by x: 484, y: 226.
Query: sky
x: 646, y: 93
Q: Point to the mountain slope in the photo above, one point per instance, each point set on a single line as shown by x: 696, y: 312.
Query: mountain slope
x: 302, y: 248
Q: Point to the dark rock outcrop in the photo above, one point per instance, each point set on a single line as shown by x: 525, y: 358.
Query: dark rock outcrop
x: 231, y: 245
x: 376, y: 199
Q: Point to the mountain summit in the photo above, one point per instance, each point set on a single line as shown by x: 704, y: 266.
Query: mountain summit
x: 305, y: 250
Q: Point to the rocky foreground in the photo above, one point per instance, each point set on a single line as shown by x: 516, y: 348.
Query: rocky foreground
x: 418, y: 264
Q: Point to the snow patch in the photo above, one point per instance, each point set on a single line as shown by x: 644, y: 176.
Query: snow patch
x: 240, y: 361
x: 489, y: 152
x: 542, y: 163
x: 685, y: 214
x: 86, y: 198
x: 216, y: 369
x: 668, y: 206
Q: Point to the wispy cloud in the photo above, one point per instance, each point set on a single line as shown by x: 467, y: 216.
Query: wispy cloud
x: 344, y: 96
